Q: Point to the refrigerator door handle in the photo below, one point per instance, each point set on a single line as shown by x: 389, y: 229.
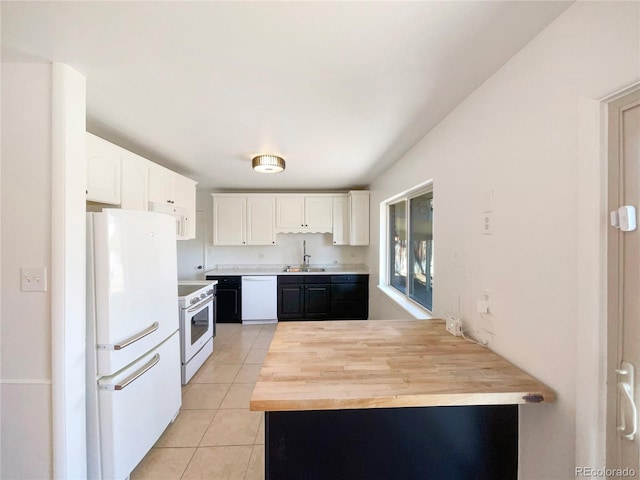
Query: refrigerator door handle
x: 144, y: 369
x: 130, y: 340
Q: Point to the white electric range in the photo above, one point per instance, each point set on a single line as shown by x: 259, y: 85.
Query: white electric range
x: 197, y: 302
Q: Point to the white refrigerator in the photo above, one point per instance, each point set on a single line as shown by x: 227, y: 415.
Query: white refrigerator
x: 133, y: 348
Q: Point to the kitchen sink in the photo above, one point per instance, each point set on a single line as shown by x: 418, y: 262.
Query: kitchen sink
x: 303, y: 269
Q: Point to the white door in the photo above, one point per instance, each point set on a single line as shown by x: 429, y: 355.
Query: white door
x: 191, y: 253
x: 136, y: 284
x: 623, y: 371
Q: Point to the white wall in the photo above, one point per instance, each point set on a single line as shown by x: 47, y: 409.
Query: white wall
x: 521, y: 136
x: 25, y: 428
x: 287, y: 251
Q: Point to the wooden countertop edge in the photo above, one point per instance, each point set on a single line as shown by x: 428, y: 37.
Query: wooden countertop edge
x: 402, y: 401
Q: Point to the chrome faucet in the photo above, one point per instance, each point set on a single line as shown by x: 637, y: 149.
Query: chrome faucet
x: 305, y: 257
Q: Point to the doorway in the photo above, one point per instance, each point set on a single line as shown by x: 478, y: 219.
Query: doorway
x: 623, y: 287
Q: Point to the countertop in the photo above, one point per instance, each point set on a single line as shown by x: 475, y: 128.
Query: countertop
x: 331, y: 365
x: 333, y: 269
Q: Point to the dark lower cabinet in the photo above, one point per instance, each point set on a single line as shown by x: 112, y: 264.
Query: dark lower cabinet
x: 229, y: 298
x: 349, y: 297
x: 317, y: 301
x: 414, y: 443
x: 323, y: 297
x: 290, y: 301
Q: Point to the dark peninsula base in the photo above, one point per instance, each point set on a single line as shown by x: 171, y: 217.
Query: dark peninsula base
x: 414, y: 443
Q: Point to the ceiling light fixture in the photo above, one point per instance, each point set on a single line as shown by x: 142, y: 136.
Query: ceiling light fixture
x: 268, y: 164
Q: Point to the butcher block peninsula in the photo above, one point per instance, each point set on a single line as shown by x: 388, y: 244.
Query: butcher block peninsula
x: 389, y: 399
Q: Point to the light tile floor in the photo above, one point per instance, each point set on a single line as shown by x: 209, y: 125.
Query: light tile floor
x: 216, y: 436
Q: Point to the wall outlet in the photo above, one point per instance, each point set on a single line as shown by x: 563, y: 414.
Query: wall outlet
x: 33, y: 279
x: 453, y: 325
x: 487, y: 223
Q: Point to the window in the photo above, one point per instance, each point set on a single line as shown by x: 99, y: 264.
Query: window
x: 410, y: 246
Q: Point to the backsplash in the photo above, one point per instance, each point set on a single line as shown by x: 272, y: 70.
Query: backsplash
x: 288, y: 250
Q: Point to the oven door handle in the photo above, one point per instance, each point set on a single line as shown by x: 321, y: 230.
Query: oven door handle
x: 130, y: 340
x: 201, y: 304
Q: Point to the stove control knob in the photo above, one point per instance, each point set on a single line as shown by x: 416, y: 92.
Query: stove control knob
x: 194, y: 300
x: 203, y: 295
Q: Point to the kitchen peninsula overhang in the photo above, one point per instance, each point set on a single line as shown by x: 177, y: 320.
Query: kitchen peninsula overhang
x: 385, y: 364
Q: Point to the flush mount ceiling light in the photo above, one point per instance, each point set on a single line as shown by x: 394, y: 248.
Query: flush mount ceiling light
x: 268, y: 164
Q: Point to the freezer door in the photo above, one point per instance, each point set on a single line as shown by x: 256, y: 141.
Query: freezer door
x: 136, y: 286
x: 136, y: 406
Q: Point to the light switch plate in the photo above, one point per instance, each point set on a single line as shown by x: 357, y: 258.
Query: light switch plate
x: 33, y: 279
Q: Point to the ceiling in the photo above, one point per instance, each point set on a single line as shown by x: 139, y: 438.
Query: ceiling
x: 341, y: 90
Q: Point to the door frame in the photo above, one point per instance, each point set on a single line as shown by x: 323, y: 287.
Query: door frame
x: 615, y: 107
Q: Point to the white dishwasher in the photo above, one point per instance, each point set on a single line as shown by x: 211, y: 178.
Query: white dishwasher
x: 259, y: 299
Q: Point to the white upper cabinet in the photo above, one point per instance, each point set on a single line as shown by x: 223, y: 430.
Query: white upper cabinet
x: 229, y: 220
x: 359, y: 218
x: 103, y: 171
x: 244, y: 219
x: 261, y: 215
x: 166, y: 186
x: 160, y: 185
x: 341, y: 220
x: 290, y: 212
x: 318, y: 213
x: 304, y: 213
x: 118, y: 177
x: 135, y: 182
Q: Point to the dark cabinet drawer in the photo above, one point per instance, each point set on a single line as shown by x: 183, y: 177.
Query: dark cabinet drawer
x: 228, y: 280
x: 349, y: 279
x: 349, y: 291
x: 284, y: 279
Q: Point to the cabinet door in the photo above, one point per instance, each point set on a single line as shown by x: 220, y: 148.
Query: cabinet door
x: 103, y: 171
x: 290, y: 212
x: 317, y: 213
x: 290, y: 301
x: 183, y: 191
x: 359, y: 221
x: 317, y: 301
x: 229, y: 220
x: 161, y: 185
x: 261, y: 219
x: 185, y: 197
x: 135, y: 183
x: 341, y: 220
x: 228, y: 305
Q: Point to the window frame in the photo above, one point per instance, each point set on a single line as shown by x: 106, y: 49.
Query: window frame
x: 403, y: 299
